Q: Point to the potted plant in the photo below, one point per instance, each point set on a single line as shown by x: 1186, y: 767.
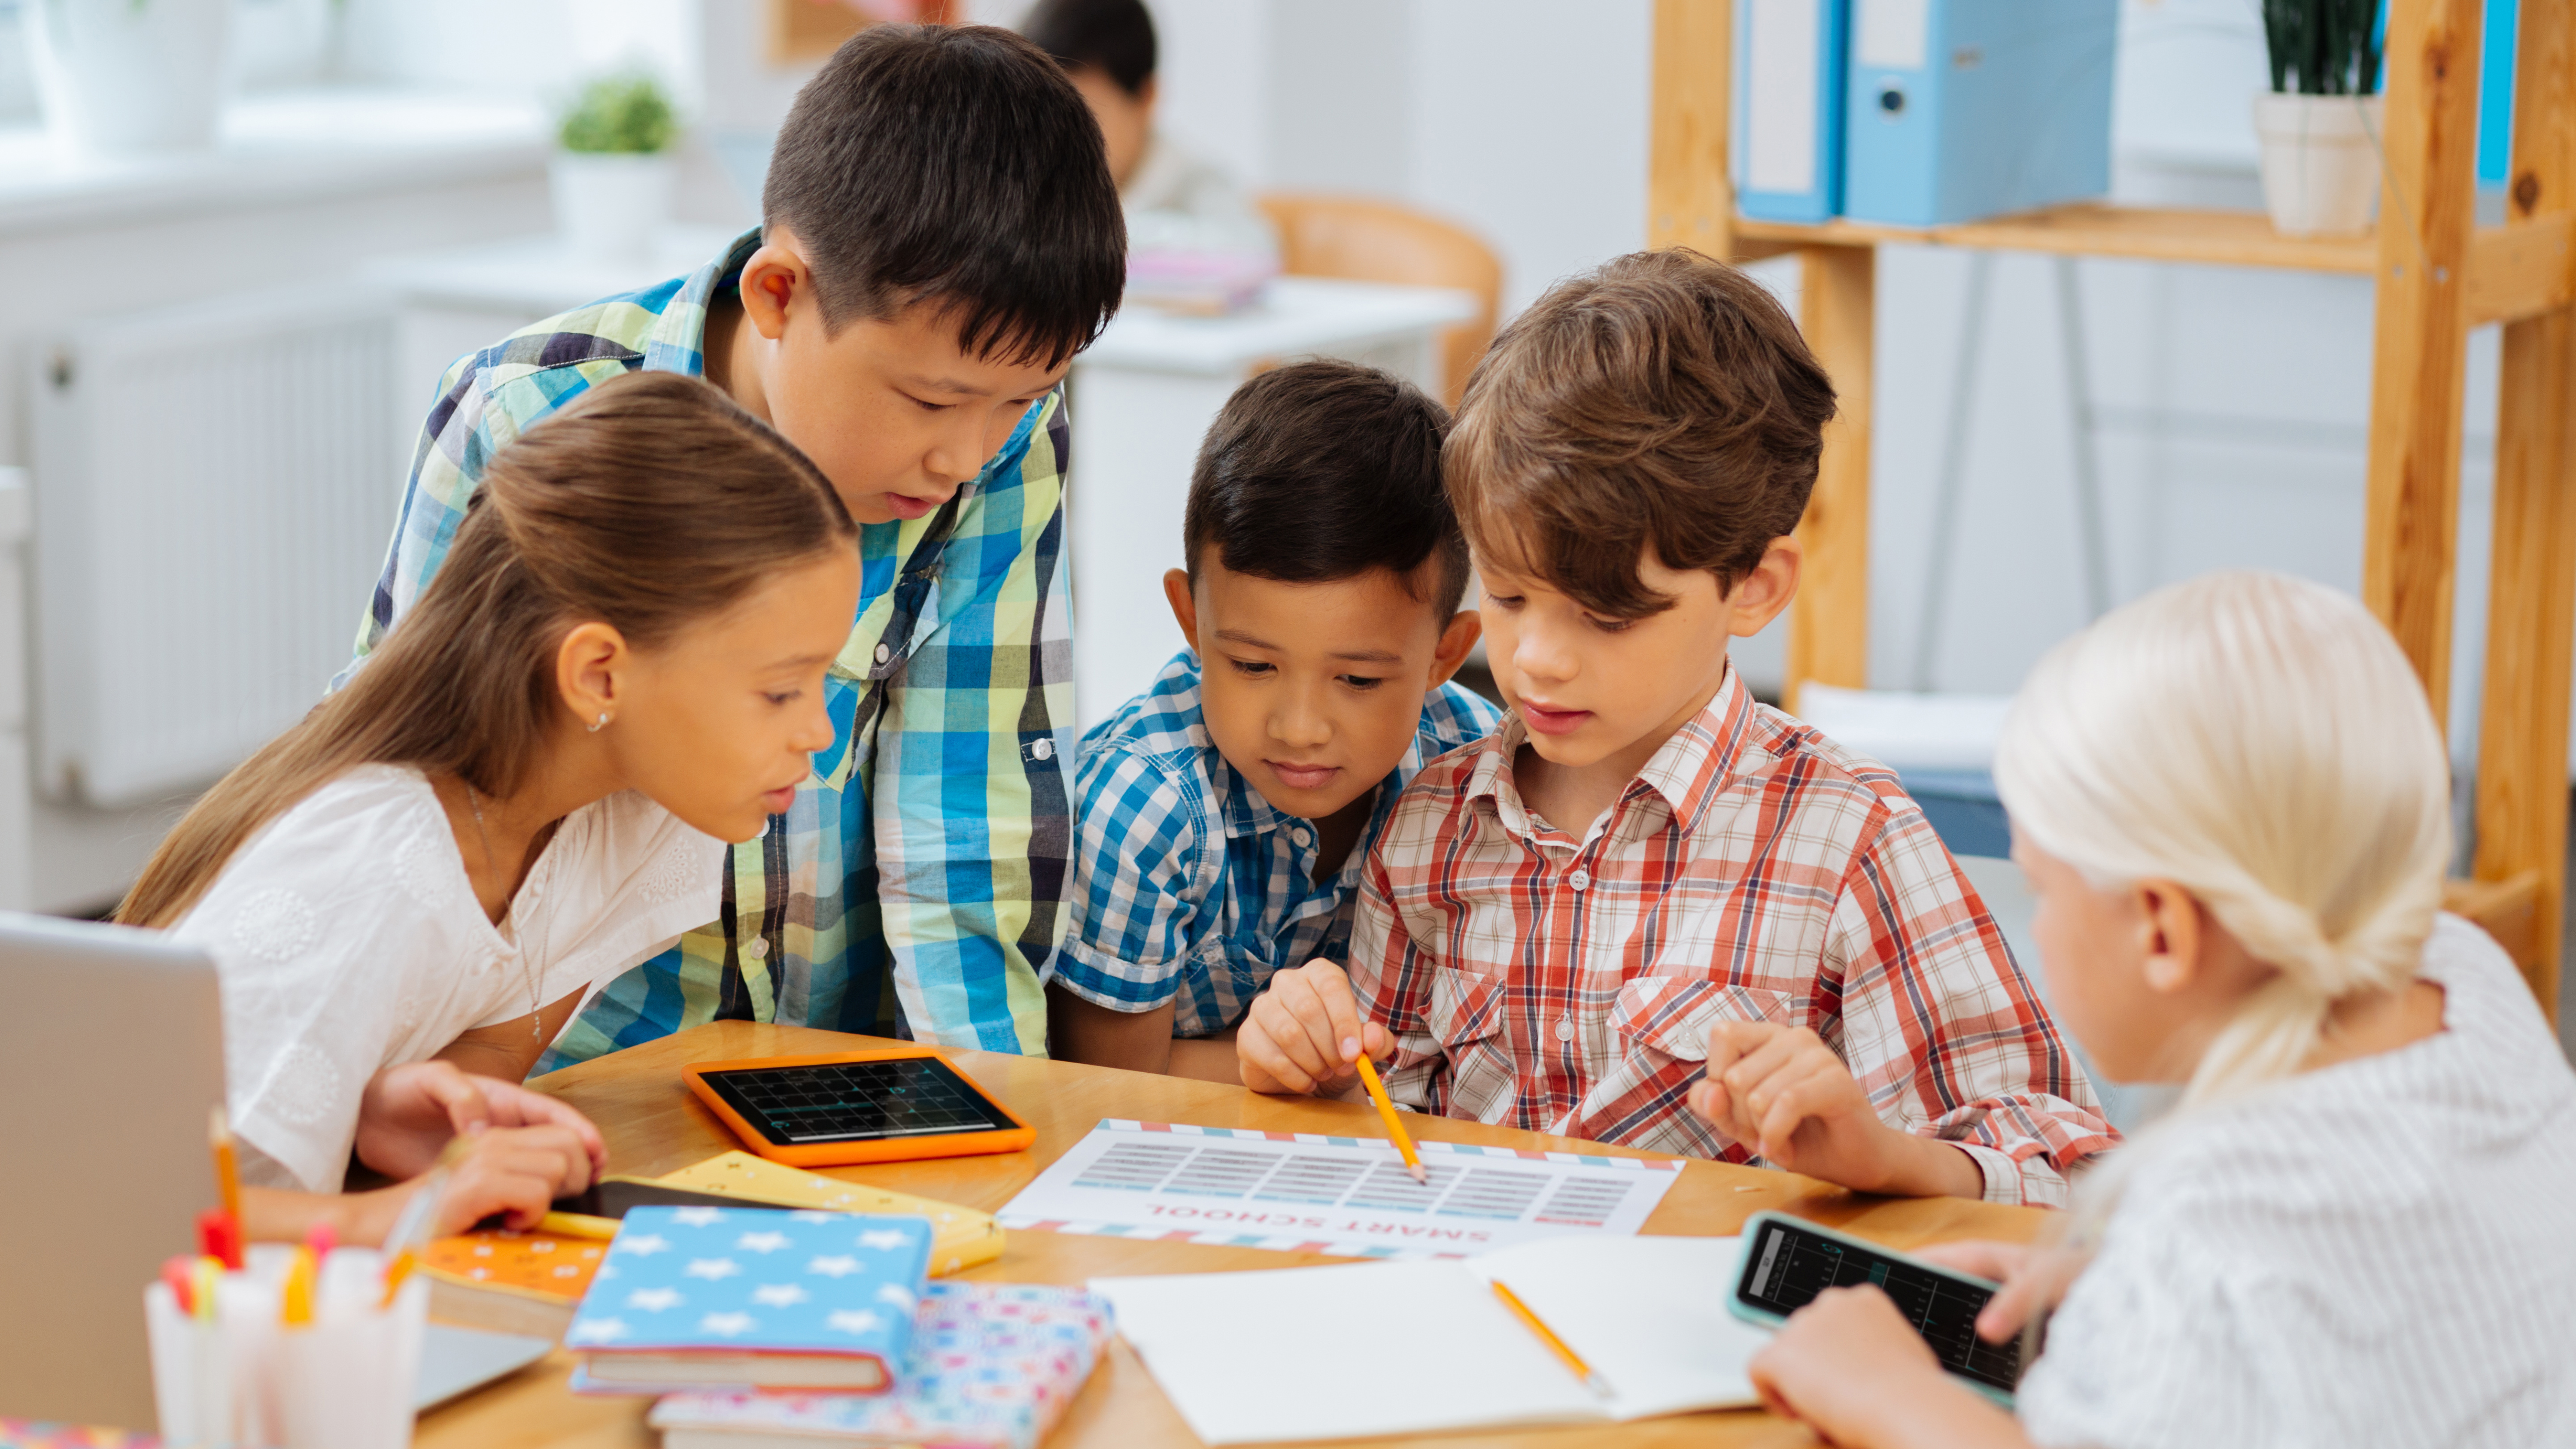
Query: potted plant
x: 612, y: 173
x: 2320, y: 126
x: 121, y: 76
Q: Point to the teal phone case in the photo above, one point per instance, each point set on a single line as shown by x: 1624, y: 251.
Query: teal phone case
x: 1765, y: 1318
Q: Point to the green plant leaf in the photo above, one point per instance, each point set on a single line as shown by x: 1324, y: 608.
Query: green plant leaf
x: 2323, y: 47
x: 620, y: 114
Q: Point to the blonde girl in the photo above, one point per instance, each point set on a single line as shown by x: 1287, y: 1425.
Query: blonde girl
x: 526, y: 791
x: 2232, y: 804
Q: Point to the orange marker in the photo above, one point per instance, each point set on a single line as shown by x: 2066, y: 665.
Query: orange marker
x: 219, y: 1137
x: 1394, y: 1124
x: 295, y: 1299
x: 1547, y: 1335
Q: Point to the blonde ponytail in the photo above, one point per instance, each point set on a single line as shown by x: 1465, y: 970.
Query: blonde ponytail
x: 2260, y: 741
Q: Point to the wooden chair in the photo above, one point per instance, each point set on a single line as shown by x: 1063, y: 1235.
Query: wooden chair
x: 1377, y: 241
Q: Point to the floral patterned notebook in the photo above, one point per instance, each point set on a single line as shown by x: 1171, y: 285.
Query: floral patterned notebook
x: 991, y: 1366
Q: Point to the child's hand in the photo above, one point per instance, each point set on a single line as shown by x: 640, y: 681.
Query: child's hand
x: 517, y: 1171
x: 2034, y: 1278
x: 408, y: 1113
x: 1851, y: 1367
x: 1782, y: 1092
x: 1304, y: 1032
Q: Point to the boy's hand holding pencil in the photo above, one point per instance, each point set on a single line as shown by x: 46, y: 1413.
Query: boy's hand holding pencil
x: 1304, y: 1034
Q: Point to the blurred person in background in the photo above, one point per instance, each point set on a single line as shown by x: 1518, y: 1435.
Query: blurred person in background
x: 1175, y: 201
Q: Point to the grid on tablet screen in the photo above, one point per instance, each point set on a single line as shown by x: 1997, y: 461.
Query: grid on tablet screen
x: 842, y: 1100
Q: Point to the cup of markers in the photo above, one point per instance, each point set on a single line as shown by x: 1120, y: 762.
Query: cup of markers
x: 279, y: 1347
x: 305, y: 1347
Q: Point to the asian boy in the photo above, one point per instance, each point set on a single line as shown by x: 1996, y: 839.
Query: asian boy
x: 1650, y: 910
x: 939, y: 237
x: 1226, y: 811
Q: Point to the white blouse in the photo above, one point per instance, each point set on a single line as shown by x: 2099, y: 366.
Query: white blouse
x: 347, y: 939
x: 2380, y: 1252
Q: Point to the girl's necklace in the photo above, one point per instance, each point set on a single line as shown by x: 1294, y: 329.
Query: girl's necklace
x: 536, y: 998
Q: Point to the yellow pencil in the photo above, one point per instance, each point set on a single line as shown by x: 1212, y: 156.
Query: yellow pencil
x: 1547, y: 1335
x: 1394, y: 1124
x: 579, y: 1225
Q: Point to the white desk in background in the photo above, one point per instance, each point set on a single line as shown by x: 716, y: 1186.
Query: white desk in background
x: 1143, y: 396
x: 461, y: 298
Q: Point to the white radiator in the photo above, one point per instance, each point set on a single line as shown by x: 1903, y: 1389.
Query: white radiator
x: 214, y: 485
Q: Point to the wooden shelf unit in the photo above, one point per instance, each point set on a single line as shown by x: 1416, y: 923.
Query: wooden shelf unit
x: 2436, y: 275
x: 2086, y: 228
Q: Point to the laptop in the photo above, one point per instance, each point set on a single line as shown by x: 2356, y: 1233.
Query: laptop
x: 111, y: 1059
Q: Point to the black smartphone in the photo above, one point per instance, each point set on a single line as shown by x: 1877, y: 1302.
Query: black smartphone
x: 1788, y: 1261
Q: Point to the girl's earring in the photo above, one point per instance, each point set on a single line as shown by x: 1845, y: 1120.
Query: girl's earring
x: 600, y: 723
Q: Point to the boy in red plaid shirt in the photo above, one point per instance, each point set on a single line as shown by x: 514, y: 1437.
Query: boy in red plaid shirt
x: 1650, y: 910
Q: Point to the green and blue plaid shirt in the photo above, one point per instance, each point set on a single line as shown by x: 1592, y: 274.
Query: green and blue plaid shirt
x: 933, y: 843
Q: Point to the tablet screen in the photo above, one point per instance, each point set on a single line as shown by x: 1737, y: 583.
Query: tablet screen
x: 858, y: 1101
x: 1788, y: 1268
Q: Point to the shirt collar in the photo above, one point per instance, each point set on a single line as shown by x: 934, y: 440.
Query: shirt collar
x: 1685, y: 770
x: 677, y: 341
x: 1247, y: 813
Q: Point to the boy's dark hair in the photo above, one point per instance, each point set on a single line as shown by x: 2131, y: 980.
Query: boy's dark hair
x: 1664, y: 399
x: 1113, y: 37
x: 1324, y: 470
x: 957, y: 165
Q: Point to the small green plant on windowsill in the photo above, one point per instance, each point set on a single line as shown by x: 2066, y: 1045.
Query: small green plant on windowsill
x: 2323, y: 47
x: 620, y: 115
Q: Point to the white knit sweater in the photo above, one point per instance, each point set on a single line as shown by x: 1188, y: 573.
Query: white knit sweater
x: 2382, y: 1252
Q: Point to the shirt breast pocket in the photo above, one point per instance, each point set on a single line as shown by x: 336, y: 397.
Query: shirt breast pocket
x: 1465, y: 1016
x: 1663, y: 1022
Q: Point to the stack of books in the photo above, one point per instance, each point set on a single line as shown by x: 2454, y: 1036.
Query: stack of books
x: 803, y: 1328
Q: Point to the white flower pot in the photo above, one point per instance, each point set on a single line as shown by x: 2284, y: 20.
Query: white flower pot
x: 609, y: 205
x: 122, y: 76
x: 2320, y: 162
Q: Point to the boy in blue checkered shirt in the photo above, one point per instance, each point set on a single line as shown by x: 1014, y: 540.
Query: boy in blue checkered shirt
x: 1224, y: 813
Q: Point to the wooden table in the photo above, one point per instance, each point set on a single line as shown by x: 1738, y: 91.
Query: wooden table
x: 653, y: 1126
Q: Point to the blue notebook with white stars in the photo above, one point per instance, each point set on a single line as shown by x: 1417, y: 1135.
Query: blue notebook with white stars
x: 752, y: 1297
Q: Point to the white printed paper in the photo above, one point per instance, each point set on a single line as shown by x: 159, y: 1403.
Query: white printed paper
x: 1303, y: 1192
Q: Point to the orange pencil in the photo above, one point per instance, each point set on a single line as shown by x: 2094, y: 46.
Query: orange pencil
x: 397, y: 1273
x: 219, y: 1136
x: 1394, y: 1124
x: 1547, y: 1335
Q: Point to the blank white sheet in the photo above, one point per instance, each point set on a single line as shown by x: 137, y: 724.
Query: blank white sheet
x: 1418, y: 1347
x: 1649, y: 1314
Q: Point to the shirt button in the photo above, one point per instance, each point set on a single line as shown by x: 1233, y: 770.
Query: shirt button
x: 884, y: 653
x: 1300, y: 835
x: 1042, y: 750
x: 1580, y: 880
x: 757, y: 948
x: 1565, y: 1028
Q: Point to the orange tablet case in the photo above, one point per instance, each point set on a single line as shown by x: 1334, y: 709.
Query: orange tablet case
x: 1015, y: 1138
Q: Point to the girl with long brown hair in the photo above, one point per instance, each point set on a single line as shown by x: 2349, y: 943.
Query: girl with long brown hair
x: 526, y: 791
